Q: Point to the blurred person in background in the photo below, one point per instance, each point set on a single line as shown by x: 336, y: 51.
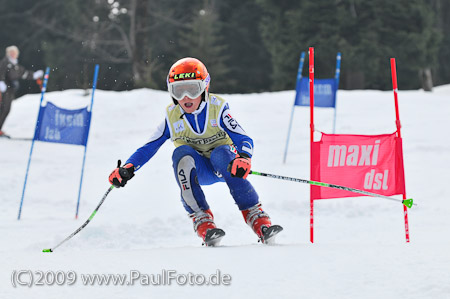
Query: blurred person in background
x: 10, y: 74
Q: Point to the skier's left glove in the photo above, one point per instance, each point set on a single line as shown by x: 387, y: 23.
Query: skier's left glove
x: 120, y: 176
x: 240, y: 166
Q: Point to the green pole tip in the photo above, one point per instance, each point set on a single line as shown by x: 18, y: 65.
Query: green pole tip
x: 47, y: 250
x: 408, y: 202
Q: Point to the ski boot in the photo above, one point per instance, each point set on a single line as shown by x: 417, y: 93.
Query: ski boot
x: 206, y: 229
x: 260, y: 222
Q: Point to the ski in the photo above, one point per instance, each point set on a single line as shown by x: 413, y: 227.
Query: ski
x: 213, y: 237
x: 269, y: 234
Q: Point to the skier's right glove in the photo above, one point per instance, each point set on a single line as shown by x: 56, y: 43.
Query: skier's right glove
x: 120, y: 176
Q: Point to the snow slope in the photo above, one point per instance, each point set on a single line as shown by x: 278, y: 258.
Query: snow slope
x: 359, y: 250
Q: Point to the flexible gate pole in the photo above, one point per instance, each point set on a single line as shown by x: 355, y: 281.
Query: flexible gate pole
x: 336, y: 77
x: 94, y: 85
x: 311, y: 108
x: 44, y: 88
x: 397, y: 123
x: 299, y: 79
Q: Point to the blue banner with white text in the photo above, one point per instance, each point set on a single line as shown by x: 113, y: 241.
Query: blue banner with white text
x: 62, y: 125
x: 324, y: 93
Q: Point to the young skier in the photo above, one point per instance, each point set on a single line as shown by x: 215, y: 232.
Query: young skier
x: 210, y: 147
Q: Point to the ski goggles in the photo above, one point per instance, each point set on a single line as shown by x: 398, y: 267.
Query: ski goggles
x: 191, y: 88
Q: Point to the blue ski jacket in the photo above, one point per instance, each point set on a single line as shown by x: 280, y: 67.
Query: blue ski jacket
x: 197, y: 120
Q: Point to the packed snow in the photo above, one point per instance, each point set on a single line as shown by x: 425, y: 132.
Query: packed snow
x: 359, y: 250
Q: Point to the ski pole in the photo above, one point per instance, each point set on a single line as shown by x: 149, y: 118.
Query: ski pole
x: 407, y: 202
x: 84, y: 224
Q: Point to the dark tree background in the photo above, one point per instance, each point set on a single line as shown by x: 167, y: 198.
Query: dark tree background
x: 247, y: 46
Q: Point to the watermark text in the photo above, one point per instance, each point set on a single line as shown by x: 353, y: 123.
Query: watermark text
x: 30, y: 278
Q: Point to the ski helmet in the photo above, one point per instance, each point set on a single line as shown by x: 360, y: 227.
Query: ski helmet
x: 188, y: 77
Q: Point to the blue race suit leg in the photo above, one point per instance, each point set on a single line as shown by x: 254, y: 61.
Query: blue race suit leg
x: 242, y: 191
x: 192, y: 170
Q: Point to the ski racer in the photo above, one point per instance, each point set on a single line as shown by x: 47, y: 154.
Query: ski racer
x: 211, y: 147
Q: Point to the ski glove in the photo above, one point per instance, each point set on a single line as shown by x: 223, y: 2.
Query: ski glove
x: 3, y: 86
x: 240, y: 166
x: 38, y: 74
x: 120, y: 176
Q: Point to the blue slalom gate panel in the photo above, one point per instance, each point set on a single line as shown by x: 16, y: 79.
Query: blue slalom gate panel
x: 60, y: 125
x: 324, y: 93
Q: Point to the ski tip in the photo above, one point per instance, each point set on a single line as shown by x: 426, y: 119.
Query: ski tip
x: 47, y: 250
x: 408, y: 202
x: 213, y: 237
